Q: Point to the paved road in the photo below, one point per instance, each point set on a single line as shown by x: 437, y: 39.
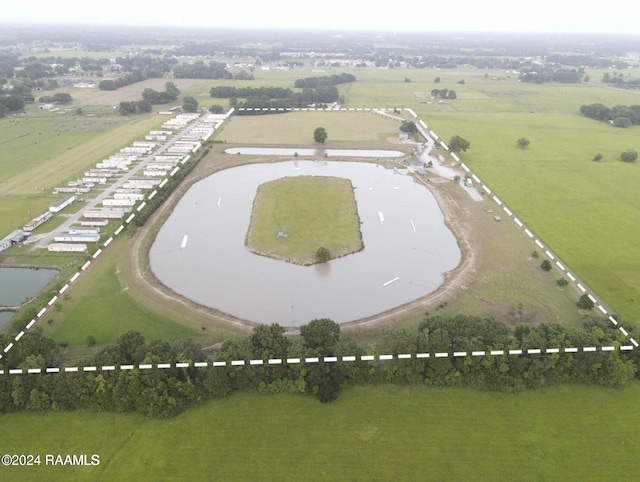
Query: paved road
x: 45, y: 238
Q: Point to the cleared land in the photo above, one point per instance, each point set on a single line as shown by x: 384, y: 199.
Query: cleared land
x: 293, y: 217
x: 405, y: 433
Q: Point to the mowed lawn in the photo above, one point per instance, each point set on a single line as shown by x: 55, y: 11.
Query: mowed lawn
x: 587, y: 212
x: 296, y: 128
x: 370, y: 433
x: 310, y: 212
x: 100, y: 306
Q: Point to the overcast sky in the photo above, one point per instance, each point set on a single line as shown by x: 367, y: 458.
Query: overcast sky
x: 612, y: 16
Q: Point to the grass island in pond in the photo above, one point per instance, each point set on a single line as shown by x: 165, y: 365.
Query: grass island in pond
x: 293, y: 216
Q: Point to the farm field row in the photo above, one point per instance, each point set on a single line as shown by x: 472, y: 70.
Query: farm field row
x: 377, y: 432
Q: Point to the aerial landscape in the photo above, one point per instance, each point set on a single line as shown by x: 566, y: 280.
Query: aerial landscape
x: 356, y: 247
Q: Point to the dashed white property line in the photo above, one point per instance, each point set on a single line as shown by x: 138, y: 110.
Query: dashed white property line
x: 142, y: 205
x: 344, y: 358
x: 175, y: 169
x: 314, y: 360
x: 151, y: 196
x: 97, y: 253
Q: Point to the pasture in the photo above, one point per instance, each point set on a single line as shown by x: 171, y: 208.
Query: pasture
x: 310, y: 212
x: 587, y: 212
x: 296, y: 129
x: 369, y: 433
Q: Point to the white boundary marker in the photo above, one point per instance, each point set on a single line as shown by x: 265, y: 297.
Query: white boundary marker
x: 533, y: 351
x: 313, y: 360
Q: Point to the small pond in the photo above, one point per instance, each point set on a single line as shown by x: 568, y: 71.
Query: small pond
x: 19, y: 284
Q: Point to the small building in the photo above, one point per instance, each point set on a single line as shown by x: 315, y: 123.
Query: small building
x: 15, y: 238
x: 63, y: 203
x: 94, y: 222
x: 76, y: 238
x: 37, y: 221
x: 67, y: 248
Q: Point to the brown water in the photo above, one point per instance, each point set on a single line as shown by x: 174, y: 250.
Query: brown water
x: 407, y: 248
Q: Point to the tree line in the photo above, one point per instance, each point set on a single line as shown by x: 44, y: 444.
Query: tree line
x: 314, y: 82
x: 229, y: 91
x: 619, y: 115
x: 165, y: 392
x: 541, y: 74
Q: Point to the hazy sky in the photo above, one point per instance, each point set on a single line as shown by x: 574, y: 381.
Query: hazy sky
x: 460, y: 15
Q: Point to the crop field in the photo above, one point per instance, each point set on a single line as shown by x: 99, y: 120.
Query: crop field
x: 311, y: 212
x: 405, y: 433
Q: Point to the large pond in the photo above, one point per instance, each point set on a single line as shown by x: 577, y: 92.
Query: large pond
x: 200, y: 251
x: 20, y: 284
x: 278, y: 151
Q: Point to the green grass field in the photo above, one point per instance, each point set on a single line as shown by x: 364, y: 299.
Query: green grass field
x: 296, y: 128
x: 370, y: 433
x: 587, y: 212
x: 312, y: 212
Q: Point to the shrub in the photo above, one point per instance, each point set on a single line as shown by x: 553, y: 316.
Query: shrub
x: 546, y: 265
x: 585, y: 303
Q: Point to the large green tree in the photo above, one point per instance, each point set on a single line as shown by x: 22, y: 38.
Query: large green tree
x: 189, y: 104
x: 320, y: 335
x: 320, y: 135
x: 459, y: 144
